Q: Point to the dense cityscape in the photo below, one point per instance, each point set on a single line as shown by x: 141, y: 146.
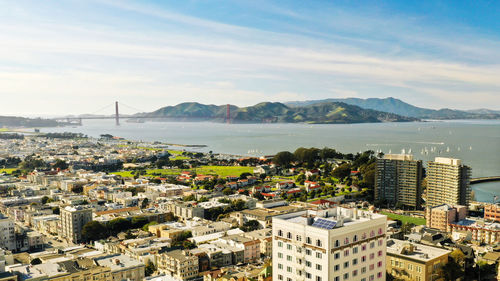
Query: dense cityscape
x: 81, y: 208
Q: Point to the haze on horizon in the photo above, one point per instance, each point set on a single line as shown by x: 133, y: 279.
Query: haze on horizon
x: 74, y: 57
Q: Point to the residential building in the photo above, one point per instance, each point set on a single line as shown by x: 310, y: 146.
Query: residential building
x: 398, y: 180
x: 7, y: 234
x: 440, y: 217
x: 409, y: 261
x: 448, y: 182
x: 123, y: 268
x: 186, y: 210
x: 480, y: 231
x: 492, y: 212
x: 179, y: 264
x: 72, y: 221
x: 329, y: 244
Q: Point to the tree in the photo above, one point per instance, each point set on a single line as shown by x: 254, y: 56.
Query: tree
x: 118, y: 225
x: 250, y: 226
x: 139, y: 222
x: 144, y: 203
x: 342, y: 171
x: 60, y: 164
x: 258, y: 195
x: 244, y: 175
x: 36, y: 261
x: 227, y: 191
x: 150, y: 269
x: 146, y: 226
x: 283, y: 158
x: 94, y: 230
x: 45, y: 199
x: 407, y: 227
x: 56, y: 210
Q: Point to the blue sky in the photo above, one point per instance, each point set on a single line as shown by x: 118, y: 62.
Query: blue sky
x: 61, y: 57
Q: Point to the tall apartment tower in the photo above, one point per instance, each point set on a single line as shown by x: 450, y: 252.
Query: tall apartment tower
x: 398, y: 179
x: 448, y: 182
x: 7, y: 234
x: 329, y: 245
x: 73, y: 218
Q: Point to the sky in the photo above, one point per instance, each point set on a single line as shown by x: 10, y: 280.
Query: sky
x: 73, y: 57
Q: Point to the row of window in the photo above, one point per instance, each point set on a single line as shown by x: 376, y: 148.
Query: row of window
x: 319, y: 243
x: 355, y: 249
x: 337, y: 278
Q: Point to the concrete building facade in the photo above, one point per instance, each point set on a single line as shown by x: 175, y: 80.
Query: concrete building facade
x: 398, y: 180
x: 72, y: 221
x: 440, y: 217
x: 329, y: 245
x: 448, y: 182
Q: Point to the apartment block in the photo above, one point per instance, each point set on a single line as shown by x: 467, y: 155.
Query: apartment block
x: 448, y: 182
x: 492, y: 212
x: 409, y: 261
x: 329, y: 245
x: 179, y: 264
x: 7, y: 234
x: 72, y: 221
x: 440, y: 217
x: 398, y: 180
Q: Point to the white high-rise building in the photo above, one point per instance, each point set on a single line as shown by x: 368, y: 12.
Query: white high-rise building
x: 333, y: 244
x: 7, y: 234
x: 72, y: 221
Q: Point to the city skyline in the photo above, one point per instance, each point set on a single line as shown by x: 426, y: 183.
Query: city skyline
x: 70, y: 55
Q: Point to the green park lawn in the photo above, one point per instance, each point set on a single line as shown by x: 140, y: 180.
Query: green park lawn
x: 7, y: 170
x: 222, y: 171
x: 404, y: 219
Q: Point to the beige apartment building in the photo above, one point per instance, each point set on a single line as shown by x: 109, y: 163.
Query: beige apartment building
x: 448, y: 182
x: 123, y: 267
x: 440, y: 217
x: 416, y: 262
x: 73, y: 218
x: 179, y: 264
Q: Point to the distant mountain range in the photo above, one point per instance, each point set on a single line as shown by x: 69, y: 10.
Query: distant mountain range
x: 399, y: 107
x: 275, y: 112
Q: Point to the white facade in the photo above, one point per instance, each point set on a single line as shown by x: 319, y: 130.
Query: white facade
x: 72, y: 221
x: 7, y: 234
x: 347, y: 245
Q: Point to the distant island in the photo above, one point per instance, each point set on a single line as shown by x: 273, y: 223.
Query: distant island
x: 13, y: 121
x: 275, y: 112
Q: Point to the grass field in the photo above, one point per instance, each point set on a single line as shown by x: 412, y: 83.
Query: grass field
x: 7, y: 170
x: 403, y: 218
x: 222, y: 171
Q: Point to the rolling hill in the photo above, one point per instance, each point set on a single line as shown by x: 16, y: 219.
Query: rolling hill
x: 399, y: 107
x: 275, y: 112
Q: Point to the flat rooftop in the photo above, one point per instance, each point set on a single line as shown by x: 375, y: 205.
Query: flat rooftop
x: 418, y: 251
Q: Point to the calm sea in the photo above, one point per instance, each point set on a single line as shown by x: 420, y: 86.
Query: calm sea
x: 476, y: 142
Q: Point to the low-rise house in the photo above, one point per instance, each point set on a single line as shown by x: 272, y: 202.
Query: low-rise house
x: 123, y: 267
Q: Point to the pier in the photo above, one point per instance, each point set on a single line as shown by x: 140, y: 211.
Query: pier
x: 484, y: 179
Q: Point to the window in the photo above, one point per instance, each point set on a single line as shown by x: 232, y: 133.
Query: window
x: 318, y: 243
x: 371, y: 278
x: 363, y: 270
x: 354, y: 261
x: 372, y: 244
x: 336, y: 278
x: 372, y: 267
x: 318, y: 278
x: 308, y: 240
x: 298, y: 238
x: 289, y: 279
x: 336, y: 267
x: 379, y: 231
x: 288, y: 235
x: 299, y: 250
x: 280, y: 277
x: 299, y: 261
x: 346, y: 241
x: 299, y: 272
x: 379, y: 264
x: 280, y: 255
x: 410, y: 267
x: 308, y: 252
x: 346, y: 253
x: 379, y: 275
x: 337, y: 243
x: 346, y: 264
x: 379, y: 253
x: 346, y: 276
x: 288, y: 269
x: 289, y: 258
x: 308, y: 275
x: 308, y: 263
x: 318, y: 266
x: 372, y: 255
x: 372, y: 233
x: 355, y: 239
x: 363, y: 236
x: 288, y: 246
x: 363, y: 258
x: 280, y: 244
x: 280, y: 233
x: 355, y: 250
x: 380, y: 242
x: 280, y: 266
x: 337, y: 255
x: 363, y: 248
x: 318, y: 255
